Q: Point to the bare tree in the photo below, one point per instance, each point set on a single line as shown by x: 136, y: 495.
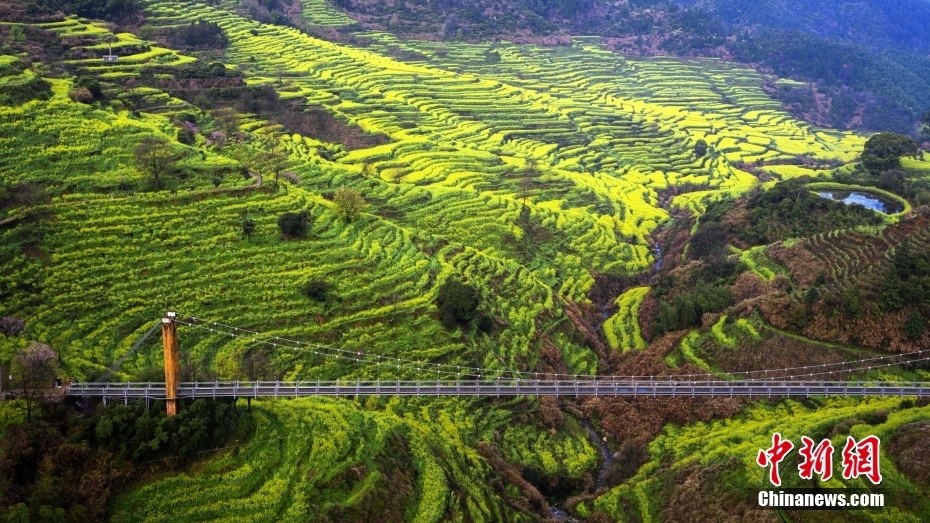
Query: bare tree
x: 527, y: 176
x: 273, y: 161
x: 156, y: 157
x: 34, y: 370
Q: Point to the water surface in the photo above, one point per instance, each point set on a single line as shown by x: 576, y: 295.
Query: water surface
x: 868, y: 200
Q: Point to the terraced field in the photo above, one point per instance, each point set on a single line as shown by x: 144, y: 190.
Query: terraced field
x: 583, y: 138
x: 525, y: 171
x: 334, y: 461
x: 853, y: 258
x: 696, y: 455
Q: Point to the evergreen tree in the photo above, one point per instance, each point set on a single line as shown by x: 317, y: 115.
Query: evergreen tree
x: 294, y: 223
x: 248, y: 227
x: 883, y: 151
x: 914, y: 326
x: 457, y: 302
x: 700, y: 148
x: 889, y: 294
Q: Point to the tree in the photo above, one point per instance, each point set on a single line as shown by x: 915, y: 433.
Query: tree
x: 700, y: 148
x: 889, y: 294
x: 529, y: 172
x: 914, y: 326
x: 852, y: 302
x: 10, y: 326
x: 272, y: 161
x: 91, y: 84
x: 294, y: 223
x: 316, y: 290
x: 349, y: 203
x: 227, y: 120
x: 155, y: 156
x: 925, y: 128
x: 883, y: 151
x: 248, y: 227
x: 34, y: 369
x: 457, y: 302
x: 17, y: 34
x: 892, y: 180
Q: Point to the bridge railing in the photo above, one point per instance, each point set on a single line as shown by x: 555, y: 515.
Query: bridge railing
x: 500, y: 387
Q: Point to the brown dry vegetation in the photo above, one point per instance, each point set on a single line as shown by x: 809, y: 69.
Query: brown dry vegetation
x: 774, y: 351
x: 910, y: 449
x: 641, y: 419
x: 699, y: 493
x: 850, y: 260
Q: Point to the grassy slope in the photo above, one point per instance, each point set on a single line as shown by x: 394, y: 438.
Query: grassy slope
x: 605, y: 135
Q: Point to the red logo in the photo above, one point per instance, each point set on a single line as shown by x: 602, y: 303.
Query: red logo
x: 861, y: 459
x: 819, y: 460
x: 773, y: 456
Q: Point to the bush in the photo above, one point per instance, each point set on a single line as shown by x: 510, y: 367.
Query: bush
x: 349, y: 203
x: 486, y: 324
x: 883, y: 151
x: 90, y: 83
x: 700, y: 148
x: 10, y: 326
x: 81, y: 95
x: 914, y: 326
x: 293, y: 223
x: 316, y: 290
x: 457, y: 302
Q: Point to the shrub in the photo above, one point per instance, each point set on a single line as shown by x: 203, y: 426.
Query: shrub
x: 349, y: 203
x: 293, y: 223
x: 316, y: 290
x: 457, y: 302
x: 883, y: 151
x: 90, y: 83
x: 914, y: 326
x: 486, y: 324
x: 81, y: 95
x: 700, y: 148
x: 10, y: 326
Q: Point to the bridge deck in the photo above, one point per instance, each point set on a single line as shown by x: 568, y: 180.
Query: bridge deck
x: 632, y: 388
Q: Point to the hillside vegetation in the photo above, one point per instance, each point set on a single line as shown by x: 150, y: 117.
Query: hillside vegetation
x: 866, y: 62
x: 492, y: 206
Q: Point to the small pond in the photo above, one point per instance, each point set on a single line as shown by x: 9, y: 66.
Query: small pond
x: 869, y: 200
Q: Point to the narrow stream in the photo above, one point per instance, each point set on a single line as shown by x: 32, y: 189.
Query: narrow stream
x: 559, y: 514
x: 599, y: 443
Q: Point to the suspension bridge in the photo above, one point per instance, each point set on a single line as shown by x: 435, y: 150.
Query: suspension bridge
x: 459, y: 381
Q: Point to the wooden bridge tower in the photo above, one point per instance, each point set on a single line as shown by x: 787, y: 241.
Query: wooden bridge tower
x: 169, y: 336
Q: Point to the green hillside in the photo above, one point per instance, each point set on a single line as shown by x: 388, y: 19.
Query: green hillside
x: 543, y: 177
